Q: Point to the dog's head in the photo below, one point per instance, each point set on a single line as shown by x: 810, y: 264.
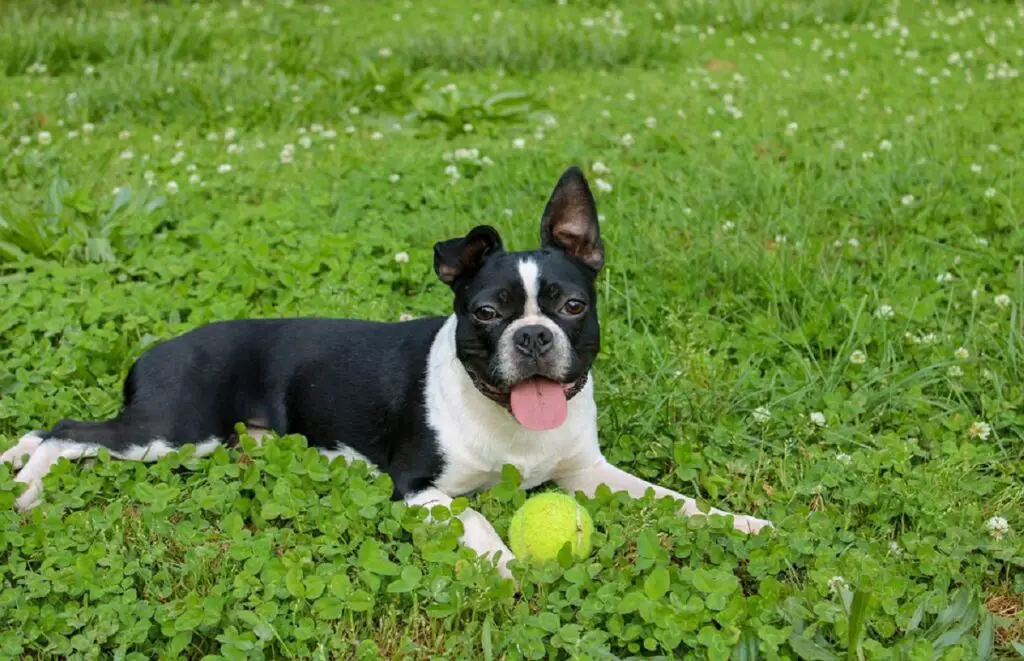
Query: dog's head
x: 527, y: 329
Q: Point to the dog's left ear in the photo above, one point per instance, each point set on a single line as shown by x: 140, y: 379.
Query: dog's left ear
x: 465, y: 255
x: 570, y: 220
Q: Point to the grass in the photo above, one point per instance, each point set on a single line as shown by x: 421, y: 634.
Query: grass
x: 811, y: 311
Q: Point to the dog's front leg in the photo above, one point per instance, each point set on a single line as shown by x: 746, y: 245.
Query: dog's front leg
x: 588, y: 478
x: 478, y: 533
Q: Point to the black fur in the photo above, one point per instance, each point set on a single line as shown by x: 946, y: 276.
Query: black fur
x: 334, y: 381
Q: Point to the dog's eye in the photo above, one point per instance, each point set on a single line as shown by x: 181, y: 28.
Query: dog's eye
x: 485, y: 313
x: 574, y: 307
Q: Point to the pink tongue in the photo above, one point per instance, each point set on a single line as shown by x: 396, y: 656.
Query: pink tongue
x: 539, y: 404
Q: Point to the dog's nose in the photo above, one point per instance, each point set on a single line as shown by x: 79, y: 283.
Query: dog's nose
x: 533, y: 341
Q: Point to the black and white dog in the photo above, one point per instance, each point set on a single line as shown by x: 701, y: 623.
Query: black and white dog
x: 439, y: 404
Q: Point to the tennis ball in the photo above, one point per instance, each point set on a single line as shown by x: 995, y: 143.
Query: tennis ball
x: 545, y: 523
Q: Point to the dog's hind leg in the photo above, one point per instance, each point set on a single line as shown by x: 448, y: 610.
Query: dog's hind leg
x: 72, y: 439
x: 22, y: 450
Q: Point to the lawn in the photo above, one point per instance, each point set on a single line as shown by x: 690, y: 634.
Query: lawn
x: 811, y: 312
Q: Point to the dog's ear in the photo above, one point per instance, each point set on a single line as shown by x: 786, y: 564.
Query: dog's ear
x: 465, y: 255
x: 570, y: 220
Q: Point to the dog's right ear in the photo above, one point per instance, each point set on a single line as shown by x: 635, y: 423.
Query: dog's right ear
x: 456, y: 258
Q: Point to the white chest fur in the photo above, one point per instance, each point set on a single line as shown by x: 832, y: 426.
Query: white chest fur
x: 477, y: 437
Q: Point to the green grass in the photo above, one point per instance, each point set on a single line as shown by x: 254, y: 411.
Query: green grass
x: 797, y: 182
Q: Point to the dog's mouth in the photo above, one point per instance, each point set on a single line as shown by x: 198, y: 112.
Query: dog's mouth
x: 537, y: 403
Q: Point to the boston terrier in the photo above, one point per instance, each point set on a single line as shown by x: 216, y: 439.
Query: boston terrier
x: 439, y: 404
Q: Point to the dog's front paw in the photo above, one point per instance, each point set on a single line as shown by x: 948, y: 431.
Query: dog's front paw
x: 749, y: 524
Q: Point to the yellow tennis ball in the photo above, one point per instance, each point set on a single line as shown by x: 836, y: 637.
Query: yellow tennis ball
x: 545, y: 523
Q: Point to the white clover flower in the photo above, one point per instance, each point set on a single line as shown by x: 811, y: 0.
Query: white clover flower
x: 172, y: 187
x: 997, y: 527
x: 716, y: 135
x: 224, y: 168
x: 651, y: 122
x: 894, y: 547
x: 962, y: 353
x: 600, y: 168
x: 194, y: 179
x: 127, y: 155
x: 836, y: 583
x: 603, y: 185
x: 44, y: 138
x: 762, y: 415
x: 452, y: 171
x: 384, y: 52
x: 88, y: 128
x: 467, y: 128
x: 955, y: 371
x: 975, y: 168
x: 287, y: 153
x: 980, y: 430
x: 884, y: 145
x: 839, y: 145
x: 907, y: 200
x: 230, y: 134
x: 316, y: 128
x: 376, y: 135
x: 124, y: 135
x: 305, y: 142
x: 354, y: 110
x: 394, y: 178
x: 520, y: 143
x: 627, y: 140
x: 844, y: 458
x: 402, y: 257
x: 858, y: 357
x: 329, y: 134
x: 885, y: 312
x: 990, y: 192
x: 1002, y: 301
x: 818, y: 418
x: 728, y: 226
x: 944, y: 278
x: 149, y: 176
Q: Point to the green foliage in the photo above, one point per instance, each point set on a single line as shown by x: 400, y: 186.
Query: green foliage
x: 810, y: 311
x: 462, y: 112
x: 67, y: 223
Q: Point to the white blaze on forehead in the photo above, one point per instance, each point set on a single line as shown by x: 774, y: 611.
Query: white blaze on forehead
x: 530, y: 273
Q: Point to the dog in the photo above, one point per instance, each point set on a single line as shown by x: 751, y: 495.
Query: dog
x: 439, y: 404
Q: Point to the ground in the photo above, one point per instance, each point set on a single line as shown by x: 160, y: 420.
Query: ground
x: 811, y: 312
